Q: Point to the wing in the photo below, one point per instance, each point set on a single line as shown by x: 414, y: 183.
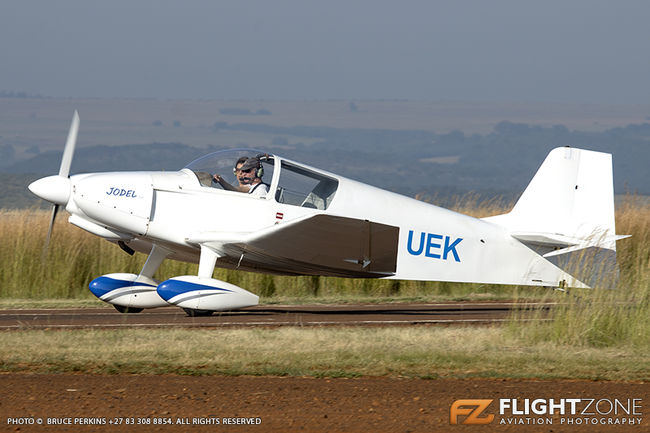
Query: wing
x: 316, y: 245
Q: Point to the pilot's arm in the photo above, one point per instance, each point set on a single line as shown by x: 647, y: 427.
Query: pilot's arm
x: 221, y: 181
x: 228, y: 187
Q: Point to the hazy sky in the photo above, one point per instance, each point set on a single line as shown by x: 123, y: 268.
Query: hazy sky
x: 518, y: 50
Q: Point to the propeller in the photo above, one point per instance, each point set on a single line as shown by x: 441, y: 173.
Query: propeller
x: 56, y: 189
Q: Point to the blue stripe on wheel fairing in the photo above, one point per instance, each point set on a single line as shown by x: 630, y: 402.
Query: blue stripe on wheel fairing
x: 170, y: 288
x: 102, y: 285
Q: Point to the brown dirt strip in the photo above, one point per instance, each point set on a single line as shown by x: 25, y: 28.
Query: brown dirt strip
x: 285, y: 404
x: 264, y: 315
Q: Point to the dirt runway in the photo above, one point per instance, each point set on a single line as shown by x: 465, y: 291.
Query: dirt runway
x: 273, y: 315
x: 88, y: 403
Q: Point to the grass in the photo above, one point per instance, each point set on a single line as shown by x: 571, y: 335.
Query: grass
x: 425, y: 352
x: 605, y: 317
x: 17, y: 304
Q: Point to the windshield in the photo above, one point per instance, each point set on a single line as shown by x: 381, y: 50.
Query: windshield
x: 299, y: 186
x: 218, y: 169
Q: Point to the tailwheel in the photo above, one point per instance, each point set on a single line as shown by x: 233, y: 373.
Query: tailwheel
x: 127, y: 310
x: 197, y: 313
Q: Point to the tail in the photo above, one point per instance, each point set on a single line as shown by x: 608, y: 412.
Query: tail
x: 566, y: 214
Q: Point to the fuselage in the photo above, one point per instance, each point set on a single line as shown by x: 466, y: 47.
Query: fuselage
x: 176, y: 210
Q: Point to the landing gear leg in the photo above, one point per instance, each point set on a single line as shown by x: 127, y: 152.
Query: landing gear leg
x: 156, y: 256
x: 207, y: 261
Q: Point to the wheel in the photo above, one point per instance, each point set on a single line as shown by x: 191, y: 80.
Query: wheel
x: 197, y: 313
x: 127, y: 310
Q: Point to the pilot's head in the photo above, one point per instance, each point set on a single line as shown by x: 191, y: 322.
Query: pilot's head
x: 250, y: 171
x: 239, y: 163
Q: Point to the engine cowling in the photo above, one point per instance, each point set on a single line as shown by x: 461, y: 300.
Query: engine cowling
x: 208, y: 294
x: 122, y: 201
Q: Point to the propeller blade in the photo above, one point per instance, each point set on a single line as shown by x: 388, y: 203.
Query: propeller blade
x: 59, y: 190
x: 55, y: 210
x: 68, y: 151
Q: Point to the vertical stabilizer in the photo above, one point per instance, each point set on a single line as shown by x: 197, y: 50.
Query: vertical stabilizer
x: 567, y: 214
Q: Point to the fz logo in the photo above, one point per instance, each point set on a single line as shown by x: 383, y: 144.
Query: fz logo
x: 472, y: 409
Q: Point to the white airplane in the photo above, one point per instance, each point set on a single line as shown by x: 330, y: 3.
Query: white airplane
x: 312, y: 222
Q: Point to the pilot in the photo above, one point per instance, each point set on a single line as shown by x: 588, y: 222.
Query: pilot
x: 248, y: 172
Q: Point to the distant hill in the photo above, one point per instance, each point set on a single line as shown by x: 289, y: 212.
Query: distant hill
x: 154, y: 156
x: 406, y: 161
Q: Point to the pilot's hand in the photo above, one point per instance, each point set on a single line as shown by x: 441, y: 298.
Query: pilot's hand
x: 217, y: 178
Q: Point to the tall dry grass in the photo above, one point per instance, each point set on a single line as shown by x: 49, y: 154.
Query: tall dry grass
x: 71, y: 261
x: 607, y: 317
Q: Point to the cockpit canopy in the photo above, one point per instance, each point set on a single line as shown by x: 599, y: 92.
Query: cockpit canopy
x: 223, y: 163
x: 296, y: 184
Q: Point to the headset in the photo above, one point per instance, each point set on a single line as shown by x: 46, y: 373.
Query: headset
x: 260, y: 169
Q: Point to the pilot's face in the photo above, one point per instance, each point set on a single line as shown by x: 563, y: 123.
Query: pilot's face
x: 244, y: 177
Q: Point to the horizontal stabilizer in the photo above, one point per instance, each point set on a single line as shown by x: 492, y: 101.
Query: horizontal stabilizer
x: 545, y: 239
